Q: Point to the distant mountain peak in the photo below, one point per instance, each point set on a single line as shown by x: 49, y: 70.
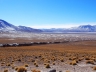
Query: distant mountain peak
x: 5, y: 26
x: 81, y: 28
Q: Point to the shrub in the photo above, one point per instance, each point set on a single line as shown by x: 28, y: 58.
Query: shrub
x: 6, y: 70
x: 73, y: 62
x: 80, y: 59
x: 33, y: 60
x: 87, y: 58
x: 36, y: 65
x: 8, y: 64
x: 47, y: 61
x: 22, y: 69
x: 62, y: 60
x: 16, y: 68
x: 94, y: 68
x: 90, y: 61
x: 19, y: 60
x: 13, y: 66
x: 12, y: 60
x: 53, y: 63
x: 47, y: 66
x: 3, y: 63
x: 26, y: 65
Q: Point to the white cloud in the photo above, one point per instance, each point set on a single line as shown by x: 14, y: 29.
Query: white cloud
x: 61, y: 25
x: 52, y: 26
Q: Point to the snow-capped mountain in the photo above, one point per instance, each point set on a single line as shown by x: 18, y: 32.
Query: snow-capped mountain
x: 82, y: 28
x: 88, y: 28
x: 7, y: 27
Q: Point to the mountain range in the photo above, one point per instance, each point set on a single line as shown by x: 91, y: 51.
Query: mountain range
x: 7, y: 27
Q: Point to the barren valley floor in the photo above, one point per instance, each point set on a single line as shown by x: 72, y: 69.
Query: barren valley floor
x: 66, y: 57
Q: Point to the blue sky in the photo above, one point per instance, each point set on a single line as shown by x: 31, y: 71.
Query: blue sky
x: 48, y: 13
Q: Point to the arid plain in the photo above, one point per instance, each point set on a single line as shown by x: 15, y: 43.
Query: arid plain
x: 78, y: 54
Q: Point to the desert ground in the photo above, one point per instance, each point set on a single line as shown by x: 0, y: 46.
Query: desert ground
x: 77, y: 55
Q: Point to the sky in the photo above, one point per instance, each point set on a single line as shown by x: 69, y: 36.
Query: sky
x: 48, y: 13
